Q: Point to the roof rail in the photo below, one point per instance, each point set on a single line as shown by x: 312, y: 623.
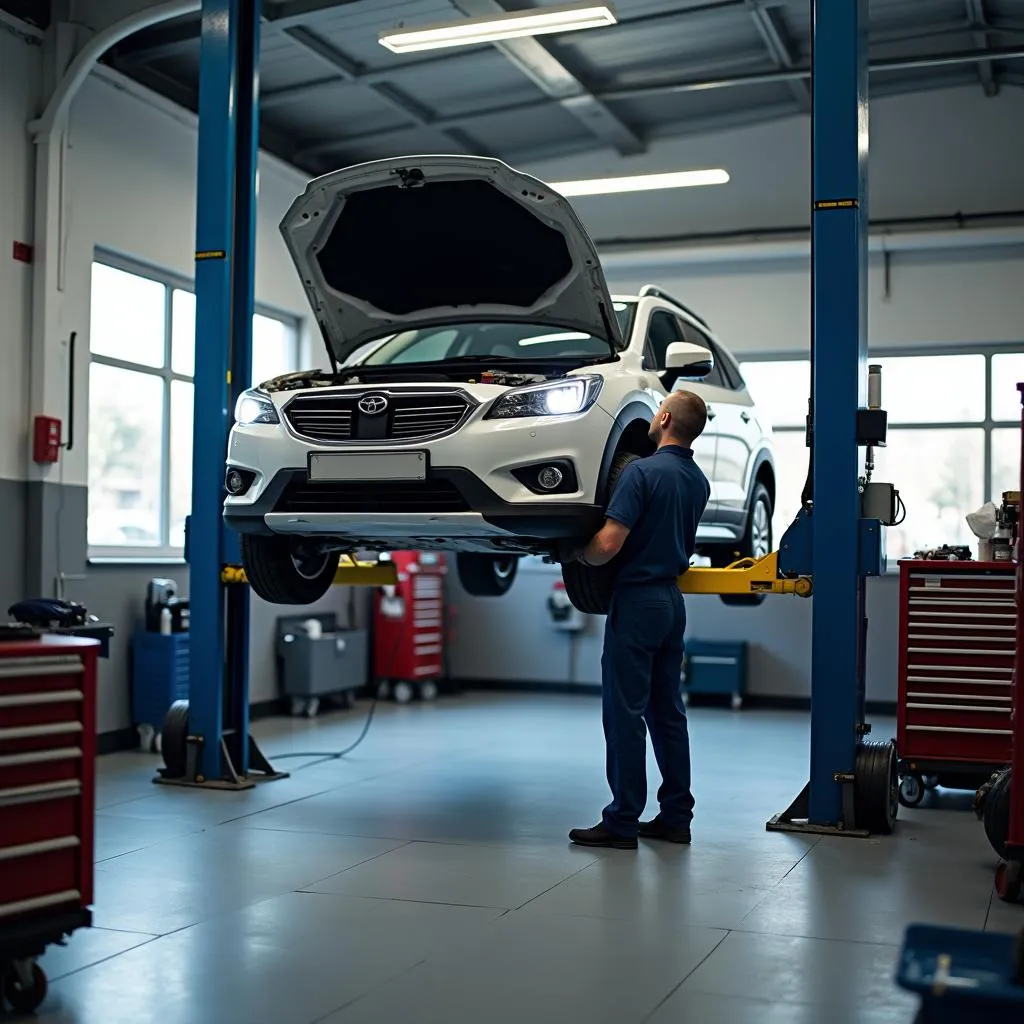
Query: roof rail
x: 660, y: 293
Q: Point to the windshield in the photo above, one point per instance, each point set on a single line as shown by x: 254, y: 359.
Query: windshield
x: 492, y: 340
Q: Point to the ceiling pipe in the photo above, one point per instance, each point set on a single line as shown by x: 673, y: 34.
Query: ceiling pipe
x: 78, y: 71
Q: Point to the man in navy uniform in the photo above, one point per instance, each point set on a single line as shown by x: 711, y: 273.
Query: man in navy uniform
x: 651, y: 526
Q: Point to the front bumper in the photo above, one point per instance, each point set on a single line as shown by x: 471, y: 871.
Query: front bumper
x: 451, y: 510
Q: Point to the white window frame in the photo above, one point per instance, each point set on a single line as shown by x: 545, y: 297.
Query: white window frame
x: 165, y: 552
x: 987, y: 423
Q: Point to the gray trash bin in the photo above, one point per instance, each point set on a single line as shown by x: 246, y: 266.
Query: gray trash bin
x: 310, y: 667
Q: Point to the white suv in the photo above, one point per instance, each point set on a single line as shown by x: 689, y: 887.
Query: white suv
x: 486, y: 389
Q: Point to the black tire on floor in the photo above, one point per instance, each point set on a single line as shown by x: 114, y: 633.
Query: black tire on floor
x: 174, y: 739
x: 19, y: 998
x: 589, y: 588
x: 997, y: 813
x: 876, y: 800
x: 486, y: 575
x: 280, y: 573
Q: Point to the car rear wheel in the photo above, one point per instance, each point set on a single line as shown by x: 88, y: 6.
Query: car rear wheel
x: 282, y: 570
x: 589, y: 588
x: 486, y: 575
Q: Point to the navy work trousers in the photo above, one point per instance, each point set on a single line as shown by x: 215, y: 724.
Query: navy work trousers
x: 640, y: 669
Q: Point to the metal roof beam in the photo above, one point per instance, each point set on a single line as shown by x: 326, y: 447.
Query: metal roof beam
x: 979, y: 23
x: 554, y: 79
x: 781, y: 48
x: 292, y: 13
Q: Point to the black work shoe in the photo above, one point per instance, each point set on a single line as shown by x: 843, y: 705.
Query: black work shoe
x: 600, y: 836
x: 657, y: 829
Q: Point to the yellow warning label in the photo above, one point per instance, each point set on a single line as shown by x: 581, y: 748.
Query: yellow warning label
x: 836, y: 204
x: 211, y: 254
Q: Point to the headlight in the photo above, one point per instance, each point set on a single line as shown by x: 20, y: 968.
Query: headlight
x: 553, y: 398
x: 254, y: 407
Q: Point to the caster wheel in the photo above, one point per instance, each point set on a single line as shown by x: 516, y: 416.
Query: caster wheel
x: 1008, y: 883
x: 930, y: 782
x: 174, y: 739
x: 312, y: 707
x: 383, y: 690
x: 996, y: 812
x: 686, y: 700
x: 428, y: 691
x: 912, y: 790
x: 24, y: 986
x: 298, y: 707
x: 876, y: 796
x: 147, y: 738
x: 346, y: 700
x: 402, y: 692
x: 737, y: 702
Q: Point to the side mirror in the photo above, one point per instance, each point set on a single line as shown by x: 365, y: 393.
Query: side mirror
x: 689, y: 360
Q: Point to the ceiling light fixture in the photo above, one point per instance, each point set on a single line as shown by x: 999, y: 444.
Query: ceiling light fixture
x: 640, y: 182
x: 491, y: 29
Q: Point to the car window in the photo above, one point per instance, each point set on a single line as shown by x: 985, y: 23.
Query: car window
x: 662, y: 330
x: 718, y: 377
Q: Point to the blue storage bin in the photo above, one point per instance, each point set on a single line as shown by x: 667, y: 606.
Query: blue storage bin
x: 160, y: 668
x: 716, y: 667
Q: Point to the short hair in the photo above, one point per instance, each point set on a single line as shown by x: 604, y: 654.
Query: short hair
x: 689, y: 415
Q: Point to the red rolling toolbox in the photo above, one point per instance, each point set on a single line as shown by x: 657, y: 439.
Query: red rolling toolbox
x: 409, y: 627
x: 47, y: 803
x: 957, y: 640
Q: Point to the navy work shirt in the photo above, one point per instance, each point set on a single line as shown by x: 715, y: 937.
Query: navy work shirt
x: 661, y: 499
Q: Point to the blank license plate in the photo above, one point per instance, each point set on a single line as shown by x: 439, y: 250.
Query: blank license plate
x: 360, y: 466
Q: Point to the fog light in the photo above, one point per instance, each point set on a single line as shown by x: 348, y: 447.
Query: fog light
x: 549, y: 477
x: 234, y: 482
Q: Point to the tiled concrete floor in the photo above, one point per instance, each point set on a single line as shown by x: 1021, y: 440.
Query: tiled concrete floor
x: 428, y: 879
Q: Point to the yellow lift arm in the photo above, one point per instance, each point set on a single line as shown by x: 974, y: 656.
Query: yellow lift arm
x: 351, y: 573
x: 747, y: 576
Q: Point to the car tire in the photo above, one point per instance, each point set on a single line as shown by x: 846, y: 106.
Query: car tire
x: 589, y: 587
x: 486, y: 575
x: 278, y: 574
x: 757, y: 541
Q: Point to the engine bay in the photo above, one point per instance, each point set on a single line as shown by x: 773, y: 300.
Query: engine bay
x: 307, y: 379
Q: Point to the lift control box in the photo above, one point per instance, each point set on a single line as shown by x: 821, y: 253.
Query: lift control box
x: 45, y: 439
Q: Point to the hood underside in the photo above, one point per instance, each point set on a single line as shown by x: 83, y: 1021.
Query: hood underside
x: 412, y: 242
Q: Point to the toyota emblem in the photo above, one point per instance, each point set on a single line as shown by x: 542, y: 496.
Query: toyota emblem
x: 372, y: 405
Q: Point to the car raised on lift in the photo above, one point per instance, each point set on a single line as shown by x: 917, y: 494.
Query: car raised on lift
x: 485, y: 390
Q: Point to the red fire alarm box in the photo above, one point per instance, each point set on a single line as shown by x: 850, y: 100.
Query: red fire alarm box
x: 45, y: 439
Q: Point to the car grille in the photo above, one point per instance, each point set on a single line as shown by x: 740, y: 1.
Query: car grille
x: 432, y: 495
x: 337, y: 418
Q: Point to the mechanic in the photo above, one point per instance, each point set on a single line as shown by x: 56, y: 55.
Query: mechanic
x: 651, y: 525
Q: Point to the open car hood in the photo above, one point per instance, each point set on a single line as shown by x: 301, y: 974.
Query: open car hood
x: 418, y: 241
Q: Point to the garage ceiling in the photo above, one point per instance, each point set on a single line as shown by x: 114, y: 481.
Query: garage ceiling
x: 331, y: 95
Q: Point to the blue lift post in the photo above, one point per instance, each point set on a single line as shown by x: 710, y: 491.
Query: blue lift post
x: 219, y: 750
x: 852, y: 784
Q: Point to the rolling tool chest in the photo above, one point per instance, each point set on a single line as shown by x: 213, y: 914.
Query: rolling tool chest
x: 47, y: 802
x: 957, y: 641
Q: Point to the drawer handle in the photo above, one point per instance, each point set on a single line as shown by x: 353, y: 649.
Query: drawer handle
x: 39, y: 793
x: 960, y: 681
x: 1002, y: 670
x: 964, y: 615
x: 40, y: 757
x: 1007, y: 586
x: 958, y: 707
x: 961, y: 639
x: 1007, y: 627
x: 27, y: 700
x: 953, y: 728
x: 960, y: 651
x: 29, y: 732
x: 427, y: 670
x: 23, y: 668
x: 959, y: 696
x: 712, y: 659
x: 44, y: 846
x: 40, y: 902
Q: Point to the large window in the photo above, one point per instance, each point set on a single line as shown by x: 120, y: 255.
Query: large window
x: 953, y: 441
x: 142, y: 344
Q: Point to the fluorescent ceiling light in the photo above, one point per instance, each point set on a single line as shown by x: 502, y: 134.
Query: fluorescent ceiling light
x: 491, y: 29
x: 640, y: 182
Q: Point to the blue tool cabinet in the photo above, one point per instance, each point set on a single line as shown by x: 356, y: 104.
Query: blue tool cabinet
x: 716, y: 667
x: 160, y: 672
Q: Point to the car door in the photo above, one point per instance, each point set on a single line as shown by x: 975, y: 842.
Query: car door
x: 664, y: 328
x: 736, y: 428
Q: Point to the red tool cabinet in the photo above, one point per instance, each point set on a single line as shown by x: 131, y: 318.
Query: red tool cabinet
x: 47, y: 802
x: 409, y: 626
x: 957, y: 641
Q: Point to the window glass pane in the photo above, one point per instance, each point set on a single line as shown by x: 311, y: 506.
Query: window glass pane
x: 126, y: 411
x: 180, y: 498
x: 940, y: 477
x: 1005, y: 462
x: 273, y: 348
x: 933, y: 389
x: 791, y: 458
x: 183, y: 332
x: 127, y: 316
x: 1007, y: 373
x: 717, y: 378
x: 780, y: 390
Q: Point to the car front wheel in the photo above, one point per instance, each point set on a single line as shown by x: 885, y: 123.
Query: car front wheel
x: 282, y: 570
x: 757, y: 541
x: 486, y: 575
